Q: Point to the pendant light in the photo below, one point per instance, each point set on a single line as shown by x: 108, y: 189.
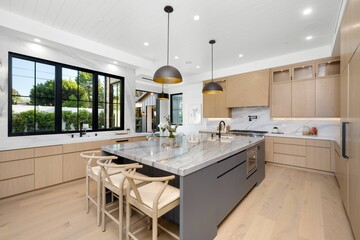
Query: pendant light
x: 167, y: 74
x: 212, y: 87
x: 162, y: 95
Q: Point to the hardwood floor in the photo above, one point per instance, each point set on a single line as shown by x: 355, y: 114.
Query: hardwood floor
x: 289, y: 204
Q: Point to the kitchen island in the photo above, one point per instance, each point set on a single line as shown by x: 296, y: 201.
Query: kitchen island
x: 212, y: 176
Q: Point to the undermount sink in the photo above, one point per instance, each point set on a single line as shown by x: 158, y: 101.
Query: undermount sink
x: 225, y: 139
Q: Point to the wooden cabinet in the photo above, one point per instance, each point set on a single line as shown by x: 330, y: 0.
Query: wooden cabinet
x: 214, y: 105
x: 281, y: 100
x: 307, y: 153
x: 48, y: 171
x: 309, y: 89
x: 74, y: 166
x: 16, y: 185
x: 269, y: 149
x: 303, y: 98
x: 17, y: 168
x: 342, y: 176
x: 248, y: 89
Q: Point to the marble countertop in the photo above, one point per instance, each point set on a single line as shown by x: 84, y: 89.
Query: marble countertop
x: 13, y: 143
x: 185, y: 159
x: 299, y: 135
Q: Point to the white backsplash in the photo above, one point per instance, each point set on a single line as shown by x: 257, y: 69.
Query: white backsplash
x: 240, y: 120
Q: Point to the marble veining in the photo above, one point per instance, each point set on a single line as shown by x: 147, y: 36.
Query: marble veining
x: 327, y: 128
x: 182, y: 160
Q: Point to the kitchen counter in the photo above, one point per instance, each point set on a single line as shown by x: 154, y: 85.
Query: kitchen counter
x: 13, y: 143
x: 212, y: 176
x: 185, y: 159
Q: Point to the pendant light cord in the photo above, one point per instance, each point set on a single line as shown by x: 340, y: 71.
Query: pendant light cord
x: 168, y: 39
x: 212, y: 62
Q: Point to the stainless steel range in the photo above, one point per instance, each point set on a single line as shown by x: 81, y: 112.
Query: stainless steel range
x: 247, y: 133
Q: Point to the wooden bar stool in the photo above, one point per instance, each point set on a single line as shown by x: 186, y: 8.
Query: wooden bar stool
x: 93, y: 171
x: 154, y: 199
x: 117, y: 184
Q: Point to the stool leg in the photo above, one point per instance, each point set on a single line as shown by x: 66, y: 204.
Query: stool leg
x: 87, y: 194
x: 127, y: 219
x: 98, y: 206
x: 154, y: 227
x: 121, y: 212
x: 103, y: 206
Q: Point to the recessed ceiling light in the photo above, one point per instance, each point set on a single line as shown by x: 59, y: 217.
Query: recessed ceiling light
x: 309, y: 37
x: 176, y: 57
x: 240, y: 55
x: 307, y: 11
x: 115, y: 62
x: 197, y: 66
x: 196, y: 17
x: 37, y: 40
x: 146, y: 44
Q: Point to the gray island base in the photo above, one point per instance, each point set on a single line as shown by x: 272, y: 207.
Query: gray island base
x: 212, y: 176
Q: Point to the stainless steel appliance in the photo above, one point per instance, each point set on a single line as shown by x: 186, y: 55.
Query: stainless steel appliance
x: 248, y: 133
x: 251, y: 160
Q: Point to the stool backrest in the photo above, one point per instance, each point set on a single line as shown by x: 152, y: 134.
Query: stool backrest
x: 91, y: 157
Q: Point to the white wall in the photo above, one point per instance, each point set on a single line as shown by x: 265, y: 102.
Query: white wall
x: 63, y: 55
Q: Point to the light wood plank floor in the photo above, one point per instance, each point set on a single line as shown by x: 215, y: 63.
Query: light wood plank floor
x: 289, y: 204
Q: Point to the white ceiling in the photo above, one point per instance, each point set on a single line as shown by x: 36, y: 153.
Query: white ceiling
x: 258, y: 29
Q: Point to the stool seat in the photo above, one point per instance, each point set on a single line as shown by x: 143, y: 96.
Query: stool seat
x: 149, y: 191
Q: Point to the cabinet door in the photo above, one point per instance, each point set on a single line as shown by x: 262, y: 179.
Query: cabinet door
x: 248, y: 89
x: 318, y: 158
x: 304, y: 72
x: 208, y: 105
x: 281, y: 100
x: 344, y: 88
x: 48, y: 171
x: 354, y: 143
x: 303, y: 98
x: 269, y: 149
x: 220, y: 109
x: 74, y: 166
x: 328, y: 97
x: 342, y: 175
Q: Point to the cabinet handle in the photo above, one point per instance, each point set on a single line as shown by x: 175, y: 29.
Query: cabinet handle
x: 119, y: 141
x: 344, y: 126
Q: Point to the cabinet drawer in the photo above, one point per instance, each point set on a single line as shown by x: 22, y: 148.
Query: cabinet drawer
x: 229, y: 163
x: 16, y: 154
x: 16, y: 185
x: 290, y: 149
x: 318, y: 143
x: 120, y: 140
x: 295, y: 141
x: 318, y: 158
x: 337, y: 148
x: 16, y: 168
x: 269, y: 149
x: 137, y: 139
x: 81, y: 147
x: 47, y: 151
x: 290, y: 160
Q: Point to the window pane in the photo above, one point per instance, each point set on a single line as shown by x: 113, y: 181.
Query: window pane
x: 85, y: 86
x: 45, y: 118
x: 69, y: 119
x: 101, y: 88
x: 85, y: 113
x: 22, y: 118
x: 176, y: 109
x: 69, y: 84
x: 101, y: 116
x: 115, y: 91
x: 45, y: 81
x: 17, y: 100
x: 45, y: 72
x: 115, y: 116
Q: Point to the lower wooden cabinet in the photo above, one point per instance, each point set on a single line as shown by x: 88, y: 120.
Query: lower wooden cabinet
x: 342, y: 175
x: 74, y: 166
x: 306, y: 153
x: 16, y: 185
x: 48, y: 171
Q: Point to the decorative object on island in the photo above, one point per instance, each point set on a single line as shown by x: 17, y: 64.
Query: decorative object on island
x: 162, y: 95
x: 212, y: 87
x: 167, y: 74
x: 309, y: 130
x: 171, y: 129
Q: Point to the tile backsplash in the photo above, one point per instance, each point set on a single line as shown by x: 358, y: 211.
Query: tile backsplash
x: 240, y: 120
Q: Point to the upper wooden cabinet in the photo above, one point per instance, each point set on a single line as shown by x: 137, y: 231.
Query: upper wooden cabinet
x: 248, y: 89
x: 214, y: 105
x: 309, y: 89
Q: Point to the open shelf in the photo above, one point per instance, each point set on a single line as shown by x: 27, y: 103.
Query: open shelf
x: 305, y: 72
x: 330, y: 68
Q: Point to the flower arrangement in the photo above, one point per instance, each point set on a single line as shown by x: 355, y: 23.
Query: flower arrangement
x: 167, y: 126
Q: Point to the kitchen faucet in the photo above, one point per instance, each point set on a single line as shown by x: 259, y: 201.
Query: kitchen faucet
x: 220, y: 123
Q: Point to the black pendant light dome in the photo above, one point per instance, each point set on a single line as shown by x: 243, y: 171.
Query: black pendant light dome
x: 167, y: 74
x: 162, y: 95
x: 212, y: 87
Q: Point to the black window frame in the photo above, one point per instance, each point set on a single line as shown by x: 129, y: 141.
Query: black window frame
x: 58, y: 96
x: 171, y: 108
